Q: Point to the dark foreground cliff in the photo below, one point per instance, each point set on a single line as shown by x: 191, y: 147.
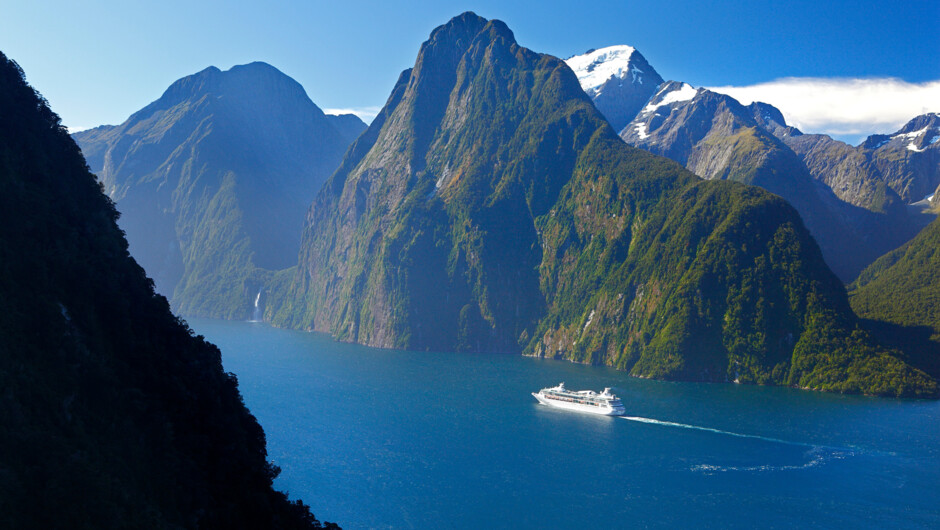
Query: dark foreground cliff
x: 113, y: 414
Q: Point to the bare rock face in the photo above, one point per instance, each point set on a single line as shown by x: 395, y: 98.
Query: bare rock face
x: 910, y: 158
x: 882, y: 174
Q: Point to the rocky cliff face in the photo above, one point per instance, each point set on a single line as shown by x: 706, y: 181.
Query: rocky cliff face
x: 490, y: 207
x: 114, y: 415
x: 213, y: 180
x: 882, y: 174
x: 909, y: 159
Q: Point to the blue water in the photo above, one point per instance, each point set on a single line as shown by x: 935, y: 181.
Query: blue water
x: 374, y: 438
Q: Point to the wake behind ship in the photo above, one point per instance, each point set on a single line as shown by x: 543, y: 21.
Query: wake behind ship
x: 590, y: 401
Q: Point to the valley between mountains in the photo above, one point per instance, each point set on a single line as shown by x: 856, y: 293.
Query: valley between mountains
x: 508, y: 201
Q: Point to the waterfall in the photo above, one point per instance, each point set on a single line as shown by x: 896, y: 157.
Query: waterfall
x: 256, y: 314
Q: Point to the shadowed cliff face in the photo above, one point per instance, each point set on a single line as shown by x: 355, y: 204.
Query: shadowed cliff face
x: 114, y: 415
x: 490, y: 207
x: 213, y: 180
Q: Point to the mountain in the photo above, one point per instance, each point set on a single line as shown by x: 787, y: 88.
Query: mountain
x: 114, y: 415
x: 716, y: 137
x: 618, y: 79
x: 909, y: 159
x: 213, y: 180
x: 349, y: 126
x: 901, y: 289
x: 901, y: 286
x: 491, y: 207
x: 884, y: 173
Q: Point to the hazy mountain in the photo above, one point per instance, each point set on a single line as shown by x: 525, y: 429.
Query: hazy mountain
x: 716, y: 137
x: 114, y: 415
x: 213, y: 180
x: 618, y: 79
x: 491, y: 207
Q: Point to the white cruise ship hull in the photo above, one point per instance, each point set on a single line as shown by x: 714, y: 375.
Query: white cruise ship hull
x: 578, y: 407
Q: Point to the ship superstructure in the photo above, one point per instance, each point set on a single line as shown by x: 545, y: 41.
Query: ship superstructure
x: 590, y: 401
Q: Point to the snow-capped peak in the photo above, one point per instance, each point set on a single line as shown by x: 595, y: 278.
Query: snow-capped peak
x: 597, y: 67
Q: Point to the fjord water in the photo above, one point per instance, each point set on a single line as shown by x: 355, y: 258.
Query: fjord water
x: 374, y: 438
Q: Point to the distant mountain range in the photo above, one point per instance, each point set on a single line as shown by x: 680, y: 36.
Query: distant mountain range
x: 905, y: 164
x: 491, y: 207
x: 114, y: 415
x: 853, y: 200
x: 214, y: 179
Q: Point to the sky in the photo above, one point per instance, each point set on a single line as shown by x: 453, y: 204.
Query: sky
x: 848, y: 68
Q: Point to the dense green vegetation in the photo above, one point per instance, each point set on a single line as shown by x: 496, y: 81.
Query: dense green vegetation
x: 114, y: 415
x: 214, y: 179
x: 902, y: 287
x: 900, y: 294
x: 490, y: 207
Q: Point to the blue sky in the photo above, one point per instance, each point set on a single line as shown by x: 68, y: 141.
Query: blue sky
x: 99, y: 61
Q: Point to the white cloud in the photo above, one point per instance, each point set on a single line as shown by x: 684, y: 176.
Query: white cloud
x: 366, y: 114
x: 843, y: 107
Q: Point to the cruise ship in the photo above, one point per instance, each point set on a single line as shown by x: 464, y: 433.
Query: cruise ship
x: 581, y: 400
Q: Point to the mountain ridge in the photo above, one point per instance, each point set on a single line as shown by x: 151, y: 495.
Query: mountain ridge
x: 716, y: 137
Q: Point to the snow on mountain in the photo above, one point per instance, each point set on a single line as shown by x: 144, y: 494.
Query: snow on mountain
x: 618, y: 79
x: 916, y: 135
x: 595, y: 68
x: 668, y: 95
